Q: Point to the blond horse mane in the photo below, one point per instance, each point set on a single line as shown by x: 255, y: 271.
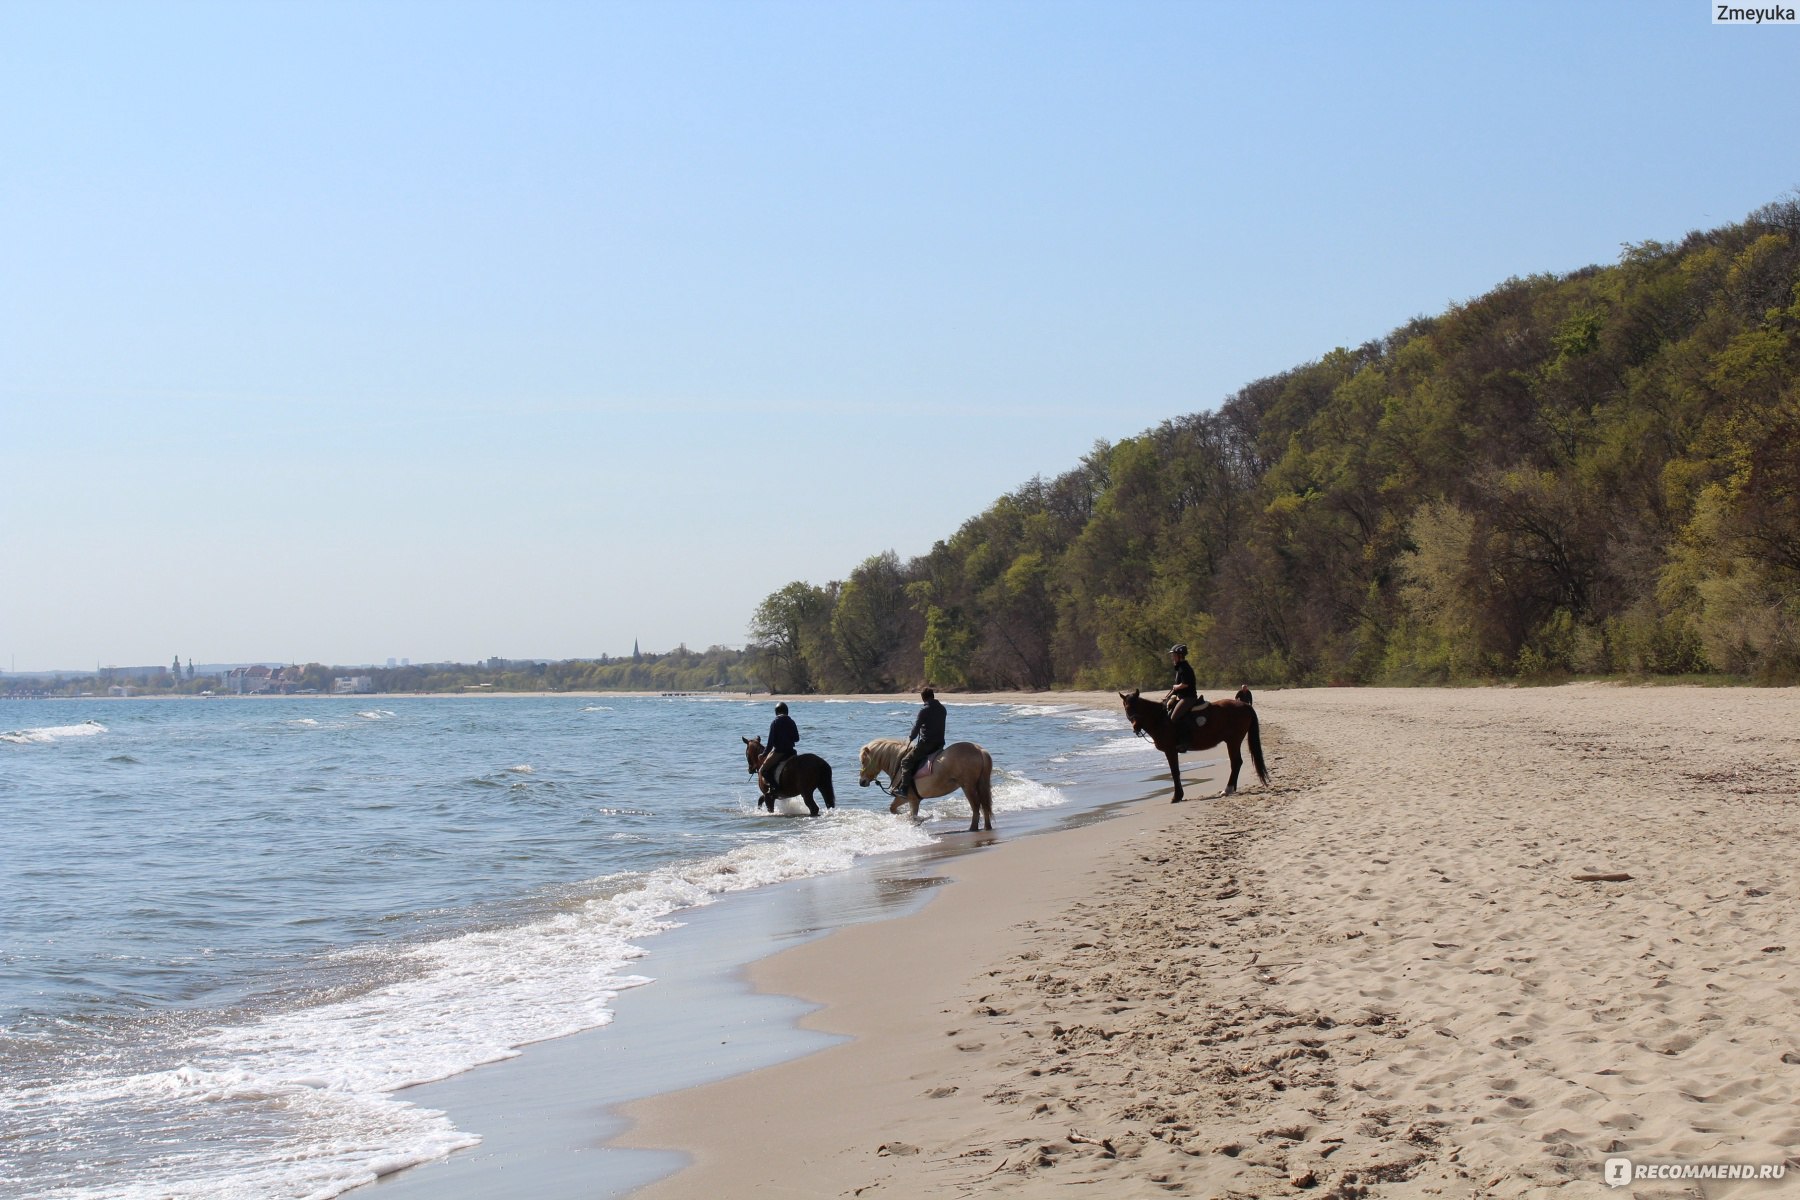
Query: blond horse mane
x: 883, y: 754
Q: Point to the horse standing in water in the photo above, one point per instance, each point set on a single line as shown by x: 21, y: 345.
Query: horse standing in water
x: 959, y: 765
x: 1227, y: 721
x: 800, y: 776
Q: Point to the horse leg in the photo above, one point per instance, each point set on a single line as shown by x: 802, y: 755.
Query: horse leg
x: 1237, y: 764
x: 811, y: 808
x: 1175, y: 774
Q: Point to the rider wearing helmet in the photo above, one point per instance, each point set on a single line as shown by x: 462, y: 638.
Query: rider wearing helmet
x: 1185, y: 693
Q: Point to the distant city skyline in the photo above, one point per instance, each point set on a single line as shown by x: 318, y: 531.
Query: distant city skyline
x: 530, y: 331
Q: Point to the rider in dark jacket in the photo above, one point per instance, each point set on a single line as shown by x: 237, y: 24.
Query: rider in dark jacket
x: 927, y: 738
x: 784, y: 736
x: 1185, y: 693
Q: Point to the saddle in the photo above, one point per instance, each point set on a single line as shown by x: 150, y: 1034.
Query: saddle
x: 778, y: 777
x: 1189, y: 731
x: 926, y: 767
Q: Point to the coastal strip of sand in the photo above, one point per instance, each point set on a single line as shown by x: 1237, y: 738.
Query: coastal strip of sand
x: 1468, y: 942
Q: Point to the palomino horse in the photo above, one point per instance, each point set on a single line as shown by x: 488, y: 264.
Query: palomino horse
x: 800, y: 776
x: 1227, y: 721
x: 959, y: 765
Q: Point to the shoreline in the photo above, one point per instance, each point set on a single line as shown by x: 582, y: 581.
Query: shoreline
x: 1406, y: 968
x: 543, y: 1115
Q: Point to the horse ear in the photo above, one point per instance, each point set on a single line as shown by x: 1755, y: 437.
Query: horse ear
x: 746, y: 740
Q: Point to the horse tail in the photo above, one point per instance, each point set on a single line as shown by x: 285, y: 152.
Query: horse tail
x: 1256, y: 757
x: 1243, y: 694
x: 985, y: 786
x: 825, y: 784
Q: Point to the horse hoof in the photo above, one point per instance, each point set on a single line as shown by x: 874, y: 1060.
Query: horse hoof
x: 1177, y: 799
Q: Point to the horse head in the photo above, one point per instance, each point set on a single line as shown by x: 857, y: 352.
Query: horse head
x: 753, y: 752
x: 870, y: 768
x: 1134, y: 704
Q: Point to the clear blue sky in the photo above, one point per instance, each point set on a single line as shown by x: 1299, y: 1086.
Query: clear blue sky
x: 440, y: 330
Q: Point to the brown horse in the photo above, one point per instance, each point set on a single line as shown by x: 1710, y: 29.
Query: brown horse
x: 1227, y: 721
x: 800, y: 776
x: 959, y: 765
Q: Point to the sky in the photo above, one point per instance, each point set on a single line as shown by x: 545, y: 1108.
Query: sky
x: 342, y: 332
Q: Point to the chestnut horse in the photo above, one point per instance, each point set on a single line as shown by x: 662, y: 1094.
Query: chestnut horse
x: 800, y: 776
x: 1227, y: 721
x: 959, y: 765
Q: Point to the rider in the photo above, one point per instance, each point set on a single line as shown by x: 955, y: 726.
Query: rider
x: 784, y: 735
x: 926, y: 738
x: 1185, y: 693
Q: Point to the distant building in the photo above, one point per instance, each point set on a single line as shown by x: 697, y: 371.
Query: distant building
x: 249, y: 681
x: 257, y: 680
x: 352, y: 685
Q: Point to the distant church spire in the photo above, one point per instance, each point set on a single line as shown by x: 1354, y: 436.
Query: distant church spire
x: 635, y: 656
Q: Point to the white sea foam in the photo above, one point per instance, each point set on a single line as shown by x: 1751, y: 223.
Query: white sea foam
x: 1012, y: 793
x: 375, y: 714
x: 466, y: 1000
x: 303, y: 1099
x: 52, y: 733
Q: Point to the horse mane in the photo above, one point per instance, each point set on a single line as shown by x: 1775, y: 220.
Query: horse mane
x: 885, y: 752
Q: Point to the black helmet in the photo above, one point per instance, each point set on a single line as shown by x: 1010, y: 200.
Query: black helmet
x: 781, y: 708
x: 1178, y: 648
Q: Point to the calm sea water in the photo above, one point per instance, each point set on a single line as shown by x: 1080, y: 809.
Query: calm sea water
x: 230, y: 930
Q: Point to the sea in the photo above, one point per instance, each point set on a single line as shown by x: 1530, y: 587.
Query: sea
x: 233, y: 930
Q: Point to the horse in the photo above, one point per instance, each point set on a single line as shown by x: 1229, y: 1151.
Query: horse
x: 959, y: 765
x: 800, y: 776
x: 1227, y: 721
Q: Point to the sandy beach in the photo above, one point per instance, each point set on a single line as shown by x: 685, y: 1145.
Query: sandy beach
x: 1467, y: 943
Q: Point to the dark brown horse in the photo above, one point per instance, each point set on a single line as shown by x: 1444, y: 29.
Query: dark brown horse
x: 801, y: 776
x: 1227, y: 721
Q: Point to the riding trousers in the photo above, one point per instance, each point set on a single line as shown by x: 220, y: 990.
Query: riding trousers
x: 914, y: 757
x: 771, y: 763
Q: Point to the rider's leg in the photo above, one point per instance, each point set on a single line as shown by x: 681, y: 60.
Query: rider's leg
x: 765, y: 774
x: 909, y: 762
x: 1178, y: 718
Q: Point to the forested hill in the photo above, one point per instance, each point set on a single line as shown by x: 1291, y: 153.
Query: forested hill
x: 1594, y: 473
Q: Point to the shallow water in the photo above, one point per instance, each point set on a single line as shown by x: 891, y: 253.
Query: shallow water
x: 233, y: 929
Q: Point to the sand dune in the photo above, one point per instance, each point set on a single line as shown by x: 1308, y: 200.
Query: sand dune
x: 1382, y: 975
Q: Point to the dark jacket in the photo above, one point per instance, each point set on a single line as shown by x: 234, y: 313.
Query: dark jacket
x: 928, y: 726
x: 1185, y: 674
x: 783, y: 734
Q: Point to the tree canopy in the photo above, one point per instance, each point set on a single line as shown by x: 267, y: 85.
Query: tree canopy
x: 1593, y: 473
